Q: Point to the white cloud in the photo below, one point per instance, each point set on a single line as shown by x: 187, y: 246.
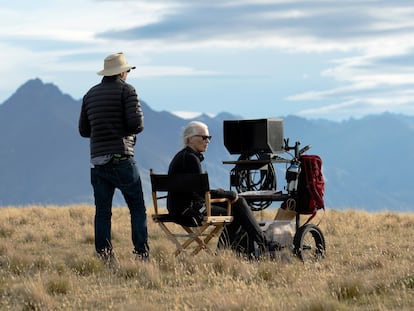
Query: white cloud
x: 187, y: 114
x: 163, y: 71
x: 367, y: 44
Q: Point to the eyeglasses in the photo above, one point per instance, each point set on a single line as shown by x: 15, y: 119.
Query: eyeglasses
x: 204, y: 137
x: 129, y: 70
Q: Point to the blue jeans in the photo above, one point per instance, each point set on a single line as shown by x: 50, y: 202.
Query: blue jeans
x: 105, y: 179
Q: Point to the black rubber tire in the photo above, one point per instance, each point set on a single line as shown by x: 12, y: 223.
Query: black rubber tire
x: 235, y: 239
x: 309, y: 243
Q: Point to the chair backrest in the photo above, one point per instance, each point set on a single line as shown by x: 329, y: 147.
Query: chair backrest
x: 180, y: 182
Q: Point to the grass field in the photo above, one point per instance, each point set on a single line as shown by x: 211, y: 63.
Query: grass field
x: 47, y: 262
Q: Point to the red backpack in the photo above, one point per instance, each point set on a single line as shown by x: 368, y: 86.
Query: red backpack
x: 311, y: 187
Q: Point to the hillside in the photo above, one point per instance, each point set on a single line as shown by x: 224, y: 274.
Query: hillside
x: 45, y: 161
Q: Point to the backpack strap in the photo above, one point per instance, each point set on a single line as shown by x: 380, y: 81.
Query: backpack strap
x: 313, y: 215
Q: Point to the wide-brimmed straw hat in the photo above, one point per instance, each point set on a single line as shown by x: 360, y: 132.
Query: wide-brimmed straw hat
x: 115, y: 64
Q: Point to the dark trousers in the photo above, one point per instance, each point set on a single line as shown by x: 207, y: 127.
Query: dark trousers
x: 243, y: 222
x: 105, y: 179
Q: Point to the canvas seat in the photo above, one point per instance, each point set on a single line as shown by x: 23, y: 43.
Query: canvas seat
x: 187, y: 239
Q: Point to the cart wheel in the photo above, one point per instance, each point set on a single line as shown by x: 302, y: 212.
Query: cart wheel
x: 309, y: 243
x: 254, y: 179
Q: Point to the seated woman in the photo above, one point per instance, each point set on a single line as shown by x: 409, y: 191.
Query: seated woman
x: 189, y: 208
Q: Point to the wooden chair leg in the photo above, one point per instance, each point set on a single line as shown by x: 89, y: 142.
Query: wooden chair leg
x: 214, y: 232
x: 171, y: 237
x: 193, y: 237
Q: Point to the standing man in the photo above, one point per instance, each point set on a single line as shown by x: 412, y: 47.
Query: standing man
x: 111, y: 117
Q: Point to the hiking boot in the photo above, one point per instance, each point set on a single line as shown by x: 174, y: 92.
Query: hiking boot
x: 141, y: 256
x: 272, y: 248
x: 143, y: 253
x: 109, y: 259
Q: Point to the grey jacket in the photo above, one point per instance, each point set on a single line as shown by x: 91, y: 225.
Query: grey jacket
x: 111, y: 116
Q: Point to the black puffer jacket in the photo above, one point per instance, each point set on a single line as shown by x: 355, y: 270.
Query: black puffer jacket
x: 111, y: 115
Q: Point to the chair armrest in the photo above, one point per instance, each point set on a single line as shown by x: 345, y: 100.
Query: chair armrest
x: 223, y: 200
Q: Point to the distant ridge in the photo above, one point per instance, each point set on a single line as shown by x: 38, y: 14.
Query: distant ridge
x: 45, y: 161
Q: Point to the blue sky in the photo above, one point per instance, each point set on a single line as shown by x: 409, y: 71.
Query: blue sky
x: 258, y: 58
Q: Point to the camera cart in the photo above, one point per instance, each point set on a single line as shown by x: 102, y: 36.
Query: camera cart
x: 261, y: 146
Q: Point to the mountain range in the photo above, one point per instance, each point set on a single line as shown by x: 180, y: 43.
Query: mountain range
x: 366, y: 162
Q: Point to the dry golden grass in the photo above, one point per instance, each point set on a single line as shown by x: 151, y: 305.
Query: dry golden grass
x: 47, y: 262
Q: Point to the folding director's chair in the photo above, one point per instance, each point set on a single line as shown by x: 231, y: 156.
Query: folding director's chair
x: 183, y: 236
